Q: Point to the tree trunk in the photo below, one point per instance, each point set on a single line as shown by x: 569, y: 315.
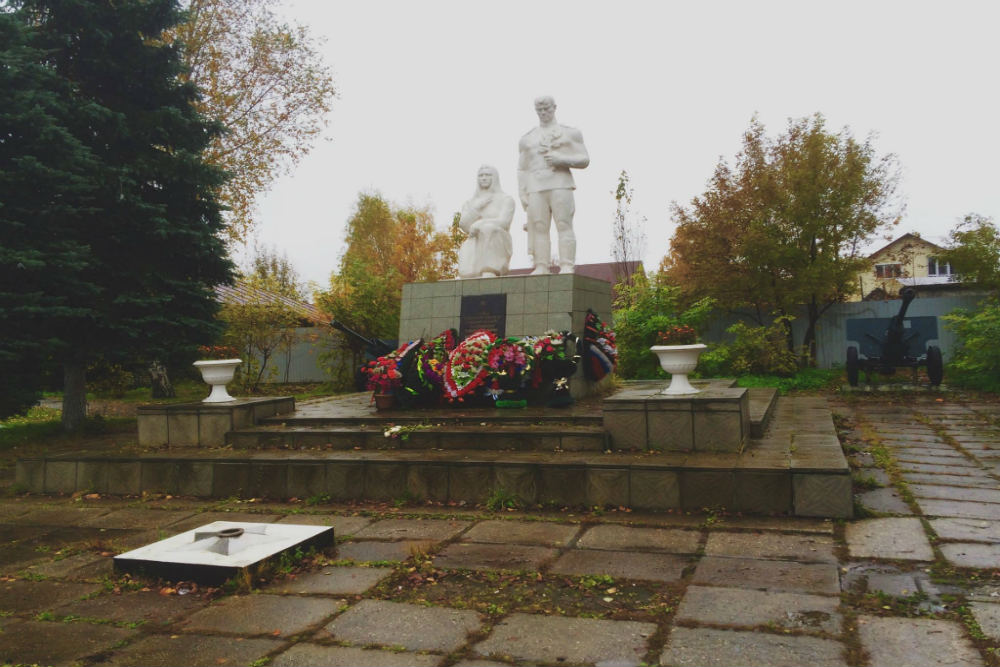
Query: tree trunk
x: 162, y: 387
x: 74, y: 407
x: 809, y: 340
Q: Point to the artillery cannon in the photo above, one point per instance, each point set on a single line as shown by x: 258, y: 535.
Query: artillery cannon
x: 896, y: 342
x: 373, y: 349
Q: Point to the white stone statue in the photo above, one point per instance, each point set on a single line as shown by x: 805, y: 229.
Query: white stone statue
x: 545, y: 183
x: 486, y: 219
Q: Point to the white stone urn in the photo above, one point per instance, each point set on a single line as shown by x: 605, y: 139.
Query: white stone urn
x: 218, y: 373
x: 679, y: 360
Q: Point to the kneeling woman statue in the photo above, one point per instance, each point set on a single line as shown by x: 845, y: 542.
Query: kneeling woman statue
x: 486, y: 219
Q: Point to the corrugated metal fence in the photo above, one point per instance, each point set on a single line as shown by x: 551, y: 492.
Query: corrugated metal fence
x: 831, y: 331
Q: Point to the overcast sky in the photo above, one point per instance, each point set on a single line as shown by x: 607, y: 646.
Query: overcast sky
x: 429, y: 91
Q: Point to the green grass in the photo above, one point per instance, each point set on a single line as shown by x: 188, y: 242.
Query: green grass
x: 807, y: 379
x: 36, y: 424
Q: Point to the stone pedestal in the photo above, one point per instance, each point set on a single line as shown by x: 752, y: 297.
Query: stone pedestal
x: 204, y: 424
x: 715, y: 420
x: 531, y: 306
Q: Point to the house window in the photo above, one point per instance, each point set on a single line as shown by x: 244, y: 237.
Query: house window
x: 936, y: 268
x: 888, y: 270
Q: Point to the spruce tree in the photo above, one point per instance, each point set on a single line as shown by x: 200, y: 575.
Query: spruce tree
x: 112, y: 244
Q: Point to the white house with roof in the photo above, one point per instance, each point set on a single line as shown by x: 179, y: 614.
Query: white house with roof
x: 907, y: 261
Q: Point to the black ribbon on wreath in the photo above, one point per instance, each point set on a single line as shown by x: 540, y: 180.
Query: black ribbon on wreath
x: 600, y: 353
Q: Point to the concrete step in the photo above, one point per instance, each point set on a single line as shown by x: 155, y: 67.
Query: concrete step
x: 421, y: 435
x: 798, y: 468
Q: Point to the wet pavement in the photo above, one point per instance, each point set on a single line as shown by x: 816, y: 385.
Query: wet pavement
x: 914, y: 580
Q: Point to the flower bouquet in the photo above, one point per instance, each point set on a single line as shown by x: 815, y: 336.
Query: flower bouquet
x: 679, y: 334
x: 509, y: 364
x: 467, y: 369
x: 217, y: 352
x: 383, y: 375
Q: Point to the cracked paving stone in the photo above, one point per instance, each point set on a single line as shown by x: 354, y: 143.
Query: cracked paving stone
x: 741, y: 607
x: 42, y: 643
x: 988, y: 617
x: 434, y: 530
x: 537, y: 533
x: 967, y: 530
x: 473, y: 556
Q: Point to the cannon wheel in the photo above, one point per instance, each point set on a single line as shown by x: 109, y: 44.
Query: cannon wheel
x: 935, y: 366
x: 852, y: 366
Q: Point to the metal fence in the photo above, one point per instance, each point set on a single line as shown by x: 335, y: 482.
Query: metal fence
x: 831, y: 330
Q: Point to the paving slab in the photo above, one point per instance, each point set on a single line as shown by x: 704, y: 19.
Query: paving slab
x: 967, y: 530
x: 332, y: 581
x: 203, y: 518
x: 138, y: 518
x: 29, y: 596
x: 899, y: 585
x: 72, y: 567
x: 622, y: 538
x: 908, y: 456
x: 749, y: 608
x: 475, y: 556
x: 778, y: 523
x: 958, y: 493
x: 134, y: 606
x: 64, y: 515
x: 540, y: 533
x: 988, y: 617
x: 962, y: 554
x: 938, y: 469
x: 308, y: 655
x: 193, y: 650
x: 892, y: 539
x: 879, y: 476
x: 342, y: 525
x: 414, y: 627
x: 933, y: 507
x: 277, y: 615
x: 41, y: 643
x: 978, y: 481
x: 885, y: 500
x: 572, y: 641
x: 722, y: 648
x: 373, y: 551
x: 812, y: 548
x: 892, y: 642
x: 773, y: 575
x: 434, y: 530
x: 622, y: 564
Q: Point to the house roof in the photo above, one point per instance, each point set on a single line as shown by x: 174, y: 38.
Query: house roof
x: 244, y: 294
x: 908, y: 237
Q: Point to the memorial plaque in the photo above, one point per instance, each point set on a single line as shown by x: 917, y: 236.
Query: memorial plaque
x: 483, y: 311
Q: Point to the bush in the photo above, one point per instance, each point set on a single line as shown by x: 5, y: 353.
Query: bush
x: 644, y: 309
x: 107, y: 379
x: 753, y: 350
x: 976, y: 360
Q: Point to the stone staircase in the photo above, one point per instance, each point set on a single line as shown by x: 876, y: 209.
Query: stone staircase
x: 341, y: 448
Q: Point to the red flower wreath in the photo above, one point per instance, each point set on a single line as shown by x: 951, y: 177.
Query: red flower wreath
x: 466, y: 368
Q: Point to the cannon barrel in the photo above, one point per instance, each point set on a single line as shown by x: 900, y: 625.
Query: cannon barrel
x: 376, y: 347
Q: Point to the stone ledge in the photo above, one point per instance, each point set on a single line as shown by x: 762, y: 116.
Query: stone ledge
x: 204, y: 424
x: 715, y: 420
